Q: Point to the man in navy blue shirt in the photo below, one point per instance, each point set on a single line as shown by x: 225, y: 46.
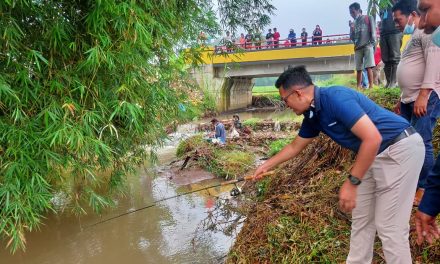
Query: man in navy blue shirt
x: 292, y: 38
x: 381, y: 184
x: 429, y: 208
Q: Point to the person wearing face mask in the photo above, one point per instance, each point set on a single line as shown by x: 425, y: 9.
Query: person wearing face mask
x: 389, y: 152
x: 418, y: 76
x: 429, y: 208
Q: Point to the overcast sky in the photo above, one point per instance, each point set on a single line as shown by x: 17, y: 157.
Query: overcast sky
x: 331, y: 15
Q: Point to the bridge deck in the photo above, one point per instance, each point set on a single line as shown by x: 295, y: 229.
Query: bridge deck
x: 283, y: 53
x: 321, y: 51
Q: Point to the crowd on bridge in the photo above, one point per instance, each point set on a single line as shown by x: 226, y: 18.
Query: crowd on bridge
x: 256, y: 40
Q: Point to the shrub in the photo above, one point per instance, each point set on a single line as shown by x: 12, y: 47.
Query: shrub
x: 252, y: 122
x: 277, y: 146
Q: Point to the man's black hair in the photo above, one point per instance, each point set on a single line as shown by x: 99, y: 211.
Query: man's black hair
x: 294, y: 76
x: 406, y: 7
x: 355, y: 6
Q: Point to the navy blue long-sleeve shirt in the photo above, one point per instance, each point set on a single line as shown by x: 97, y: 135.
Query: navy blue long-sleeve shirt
x: 430, y: 203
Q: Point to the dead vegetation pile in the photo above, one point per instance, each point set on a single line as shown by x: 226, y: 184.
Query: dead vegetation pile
x: 294, y: 217
x: 267, y: 101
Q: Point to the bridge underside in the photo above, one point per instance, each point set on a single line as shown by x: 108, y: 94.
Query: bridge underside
x: 316, y: 66
x: 231, y: 83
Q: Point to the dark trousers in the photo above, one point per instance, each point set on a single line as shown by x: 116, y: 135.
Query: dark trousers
x: 390, y: 48
x: 425, y: 126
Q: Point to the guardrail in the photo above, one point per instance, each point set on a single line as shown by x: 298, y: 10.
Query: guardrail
x: 231, y: 47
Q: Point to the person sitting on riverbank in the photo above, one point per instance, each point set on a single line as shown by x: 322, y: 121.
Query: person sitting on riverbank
x: 237, y: 123
x: 380, y: 186
x: 236, y: 127
x: 219, y: 134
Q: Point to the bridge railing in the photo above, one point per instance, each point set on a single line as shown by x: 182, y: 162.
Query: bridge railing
x: 231, y: 47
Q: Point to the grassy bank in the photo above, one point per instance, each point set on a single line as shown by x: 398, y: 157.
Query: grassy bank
x: 258, y: 90
x: 229, y: 162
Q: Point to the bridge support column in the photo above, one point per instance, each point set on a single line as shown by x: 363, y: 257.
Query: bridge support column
x: 237, y: 93
x: 230, y: 93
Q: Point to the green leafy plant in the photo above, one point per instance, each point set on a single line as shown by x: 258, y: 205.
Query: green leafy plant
x: 84, y: 87
x: 277, y: 145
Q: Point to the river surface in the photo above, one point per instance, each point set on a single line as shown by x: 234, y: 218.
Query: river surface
x: 169, y: 232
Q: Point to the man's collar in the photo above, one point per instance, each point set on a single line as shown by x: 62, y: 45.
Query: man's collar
x: 317, y: 99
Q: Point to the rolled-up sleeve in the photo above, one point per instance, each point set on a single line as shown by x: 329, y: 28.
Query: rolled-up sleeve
x: 431, y: 52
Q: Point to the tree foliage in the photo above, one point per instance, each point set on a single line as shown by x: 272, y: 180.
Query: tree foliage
x: 374, y: 6
x: 254, y: 14
x: 85, y: 86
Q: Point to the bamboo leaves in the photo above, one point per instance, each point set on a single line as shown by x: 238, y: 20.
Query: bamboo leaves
x: 84, y: 87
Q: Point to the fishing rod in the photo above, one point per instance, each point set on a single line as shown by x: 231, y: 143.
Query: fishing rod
x: 246, y: 178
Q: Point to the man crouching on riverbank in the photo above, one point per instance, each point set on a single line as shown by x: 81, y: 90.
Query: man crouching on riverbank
x: 383, y: 179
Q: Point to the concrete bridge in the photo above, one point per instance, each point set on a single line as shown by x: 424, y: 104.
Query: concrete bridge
x: 229, y: 76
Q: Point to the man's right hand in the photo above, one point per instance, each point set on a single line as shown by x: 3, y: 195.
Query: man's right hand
x: 260, y: 172
x: 397, y: 108
x: 426, y: 228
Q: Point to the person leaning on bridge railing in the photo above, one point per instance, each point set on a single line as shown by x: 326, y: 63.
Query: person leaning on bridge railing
x: 241, y: 41
x: 249, y: 37
x: 258, y: 38
x: 292, y: 38
x: 276, y: 38
x: 304, y: 36
x: 269, y: 39
x: 317, y: 36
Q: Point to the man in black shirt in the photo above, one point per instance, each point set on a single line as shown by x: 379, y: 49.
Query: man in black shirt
x: 304, y: 37
x: 249, y: 37
x: 390, y: 44
x: 269, y: 38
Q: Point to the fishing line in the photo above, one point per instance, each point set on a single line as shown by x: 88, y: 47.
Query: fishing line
x: 176, y: 196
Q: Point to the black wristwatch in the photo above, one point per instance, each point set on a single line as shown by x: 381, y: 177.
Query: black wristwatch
x: 354, y: 180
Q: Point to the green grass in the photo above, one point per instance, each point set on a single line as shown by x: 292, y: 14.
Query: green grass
x: 252, y: 122
x: 264, y: 90
x: 348, y: 80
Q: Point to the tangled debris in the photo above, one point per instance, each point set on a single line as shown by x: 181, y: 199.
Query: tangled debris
x: 239, y: 155
x: 294, y: 217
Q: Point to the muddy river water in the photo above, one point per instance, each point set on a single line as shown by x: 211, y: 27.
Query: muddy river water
x: 165, y: 233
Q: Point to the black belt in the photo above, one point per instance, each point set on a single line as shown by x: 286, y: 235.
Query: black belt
x: 405, y: 133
